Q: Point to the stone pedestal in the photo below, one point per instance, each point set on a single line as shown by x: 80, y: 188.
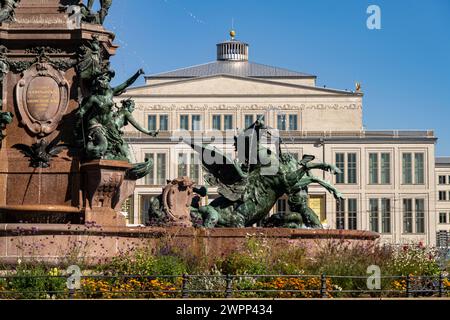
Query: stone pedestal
x: 102, y: 184
x: 40, y: 87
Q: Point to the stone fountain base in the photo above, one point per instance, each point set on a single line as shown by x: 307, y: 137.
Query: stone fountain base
x: 92, y: 244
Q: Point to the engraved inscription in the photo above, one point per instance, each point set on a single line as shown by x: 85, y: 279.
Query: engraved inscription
x: 43, y: 98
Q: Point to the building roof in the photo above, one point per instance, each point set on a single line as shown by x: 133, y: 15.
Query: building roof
x: 234, y: 68
x: 443, y: 161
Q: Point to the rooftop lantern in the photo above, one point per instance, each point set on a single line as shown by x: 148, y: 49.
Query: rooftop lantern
x: 232, y: 50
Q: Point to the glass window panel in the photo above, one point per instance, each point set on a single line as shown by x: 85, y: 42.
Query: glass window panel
x: 293, y: 122
x: 351, y: 159
x: 144, y: 205
x: 261, y: 117
x: 217, y: 122
x: 442, y: 195
x: 228, y: 122
x: 249, y: 120
x: 184, y: 122
x: 340, y: 215
x: 374, y: 215
x: 386, y: 168
x: 164, y: 122
x: 196, y: 122
x: 152, y: 122
x: 194, y: 168
x: 340, y: 163
x: 373, y: 168
x: 150, y: 178
x: 281, y: 122
x: 182, y: 165
x: 352, y: 214
x: 442, y: 179
x: 419, y: 168
x: 407, y: 168
x: 161, y: 167
x: 443, y: 217
x: 407, y: 216
x: 386, y: 215
x: 420, y: 216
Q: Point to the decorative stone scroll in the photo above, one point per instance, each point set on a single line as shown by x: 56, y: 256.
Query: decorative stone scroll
x: 42, y: 98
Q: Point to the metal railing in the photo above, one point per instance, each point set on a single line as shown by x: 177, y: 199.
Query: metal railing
x: 219, y: 286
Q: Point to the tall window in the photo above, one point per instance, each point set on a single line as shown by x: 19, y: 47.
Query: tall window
x: 385, y: 168
x: 442, y: 179
x: 261, y: 117
x: 351, y: 168
x: 347, y: 214
x: 340, y: 163
x: 386, y: 215
x: 196, y: 122
x: 352, y: 214
x: 374, y: 215
x: 416, y: 176
x: 373, y: 168
x: 442, y: 195
x: 443, y: 218
x: 281, y: 122
x: 340, y: 215
x: 413, y: 214
x: 184, y: 122
x: 152, y: 122
x: 293, y: 122
x: 249, y: 120
x: 407, y: 216
x: 182, y: 165
x: 194, y: 167
x: 158, y: 174
x: 164, y: 122
x: 228, y: 122
x: 217, y: 122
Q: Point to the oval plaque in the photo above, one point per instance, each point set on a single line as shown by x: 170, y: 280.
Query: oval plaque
x: 42, y: 98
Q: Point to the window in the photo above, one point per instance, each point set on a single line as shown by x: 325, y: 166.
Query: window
x: 293, y: 122
x: 420, y: 216
x: 249, y: 120
x: 386, y: 216
x: 189, y: 165
x: 145, y: 201
x: 373, y: 168
x: 416, y: 214
x: 184, y: 122
x: 416, y: 176
x: 351, y: 168
x: 158, y: 175
x: 228, y: 122
x: 379, y: 168
x: 340, y: 163
x: 385, y: 168
x: 261, y: 117
x: 442, y: 195
x: 443, y: 218
x: 152, y: 123
x: 380, y: 215
x: 442, y: 179
x: 196, y: 122
x: 350, y: 215
x: 164, y: 122
x: 340, y: 215
x: 281, y: 122
x: 407, y: 216
x: 419, y: 168
x: 374, y: 215
x: 182, y: 165
x: 217, y: 122
x: 194, y: 167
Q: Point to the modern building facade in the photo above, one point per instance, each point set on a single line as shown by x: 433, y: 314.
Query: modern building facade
x: 388, y: 180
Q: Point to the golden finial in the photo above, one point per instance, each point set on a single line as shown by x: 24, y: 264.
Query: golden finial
x: 232, y: 34
x: 358, y: 86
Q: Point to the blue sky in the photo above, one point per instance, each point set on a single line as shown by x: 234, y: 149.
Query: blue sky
x: 404, y: 68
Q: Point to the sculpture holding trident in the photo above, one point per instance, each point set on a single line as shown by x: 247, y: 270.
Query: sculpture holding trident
x: 104, y: 9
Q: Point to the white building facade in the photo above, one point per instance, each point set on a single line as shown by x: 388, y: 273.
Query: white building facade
x: 388, y: 179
